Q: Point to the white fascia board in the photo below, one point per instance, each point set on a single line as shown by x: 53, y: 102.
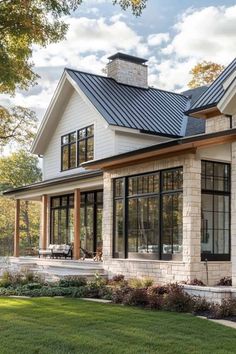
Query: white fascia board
x: 48, y: 113
x: 116, y: 128
x: 85, y: 98
x: 229, y: 80
x: 227, y: 104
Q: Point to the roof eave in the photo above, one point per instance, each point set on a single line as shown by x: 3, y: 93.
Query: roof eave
x: 163, y: 150
x: 204, y: 112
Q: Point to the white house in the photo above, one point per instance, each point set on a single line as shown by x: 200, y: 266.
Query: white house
x: 146, y: 174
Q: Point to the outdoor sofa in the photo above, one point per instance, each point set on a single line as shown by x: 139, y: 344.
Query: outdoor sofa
x: 56, y: 251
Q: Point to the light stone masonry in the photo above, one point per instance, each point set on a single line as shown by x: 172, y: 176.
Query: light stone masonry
x: 217, y: 124
x: 190, y: 267
x: 128, y: 73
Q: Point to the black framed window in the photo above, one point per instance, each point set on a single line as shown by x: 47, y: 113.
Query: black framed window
x: 148, y: 215
x: 215, y: 224
x: 62, y: 219
x: 85, y: 144
x: 68, y: 151
x: 77, y: 147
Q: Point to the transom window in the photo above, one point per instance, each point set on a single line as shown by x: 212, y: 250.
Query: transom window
x: 77, y: 147
x: 215, y: 225
x: 148, y: 215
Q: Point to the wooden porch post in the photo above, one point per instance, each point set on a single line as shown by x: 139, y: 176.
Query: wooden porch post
x: 76, y: 250
x: 44, y: 222
x: 17, y: 229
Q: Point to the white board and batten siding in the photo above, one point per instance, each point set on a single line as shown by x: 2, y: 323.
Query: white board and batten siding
x: 125, y: 142
x: 77, y: 114
x: 107, y: 141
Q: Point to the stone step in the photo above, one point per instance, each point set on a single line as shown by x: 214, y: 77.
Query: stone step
x: 55, y: 269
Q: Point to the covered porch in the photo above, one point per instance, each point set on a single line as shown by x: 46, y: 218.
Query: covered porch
x: 71, y: 212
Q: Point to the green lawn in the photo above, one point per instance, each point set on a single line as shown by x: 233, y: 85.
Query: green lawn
x: 47, y: 325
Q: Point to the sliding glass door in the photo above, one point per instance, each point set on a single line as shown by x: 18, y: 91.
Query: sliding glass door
x: 62, y: 220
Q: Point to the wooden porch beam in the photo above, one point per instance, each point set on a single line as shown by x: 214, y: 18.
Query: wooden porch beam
x: 17, y: 229
x: 76, y: 250
x: 44, y: 229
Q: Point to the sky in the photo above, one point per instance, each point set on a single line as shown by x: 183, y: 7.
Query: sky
x: 173, y: 35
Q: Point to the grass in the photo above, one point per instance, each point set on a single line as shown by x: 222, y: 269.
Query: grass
x: 48, y: 326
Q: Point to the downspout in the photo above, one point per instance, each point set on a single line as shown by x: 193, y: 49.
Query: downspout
x: 230, y: 120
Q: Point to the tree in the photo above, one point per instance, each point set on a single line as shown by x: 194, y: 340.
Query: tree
x: 204, y: 73
x: 17, y: 124
x: 24, y: 23
x: 17, y: 170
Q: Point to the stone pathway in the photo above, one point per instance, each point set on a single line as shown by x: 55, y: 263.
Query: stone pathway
x: 226, y: 323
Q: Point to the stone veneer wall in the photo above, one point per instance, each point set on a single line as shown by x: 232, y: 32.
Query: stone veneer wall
x: 233, y: 213
x: 165, y: 271
x: 128, y: 73
x: 217, y: 124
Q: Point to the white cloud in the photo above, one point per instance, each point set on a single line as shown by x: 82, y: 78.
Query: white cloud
x: 208, y: 33
x: 90, y: 36
x: 157, y: 39
x: 200, y: 34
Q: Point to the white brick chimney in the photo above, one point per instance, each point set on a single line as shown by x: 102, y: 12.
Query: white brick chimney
x: 128, y: 70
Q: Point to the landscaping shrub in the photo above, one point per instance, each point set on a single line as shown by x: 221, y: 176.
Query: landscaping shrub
x: 200, y: 306
x: 226, y: 281
x: 140, y: 283
x: 97, y: 290
x: 136, y: 297
x: 176, y: 299
x: 118, y: 294
x: 72, y: 280
x: 155, y: 296
x: 32, y: 286
x: 197, y: 282
x: 226, y: 309
x: 118, y: 278
x: 15, y: 279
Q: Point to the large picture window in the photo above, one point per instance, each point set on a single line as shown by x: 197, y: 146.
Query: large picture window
x: 77, y: 147
x: 215, y: 227
x: 62, y: 219
x: 148, y: 215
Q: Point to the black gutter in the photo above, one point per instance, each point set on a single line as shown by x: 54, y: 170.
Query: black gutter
x: 165, y: 135
x: 202, y: 108
x: 161, y: 146
x: 56, y: 181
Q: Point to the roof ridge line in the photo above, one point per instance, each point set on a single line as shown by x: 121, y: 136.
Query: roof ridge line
x: 136, y: 87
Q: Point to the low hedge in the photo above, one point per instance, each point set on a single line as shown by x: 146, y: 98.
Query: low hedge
x: 170, y: 297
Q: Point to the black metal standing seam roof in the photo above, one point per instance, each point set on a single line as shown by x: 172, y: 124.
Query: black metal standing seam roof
x: 215, y: 92
x: 151, y: 110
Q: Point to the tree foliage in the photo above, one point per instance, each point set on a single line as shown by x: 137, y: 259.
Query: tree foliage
x: 137, y: 6
x: 24, y: 23
x: 204, y: 73
x: 17, y: 124
x: 17, y: 170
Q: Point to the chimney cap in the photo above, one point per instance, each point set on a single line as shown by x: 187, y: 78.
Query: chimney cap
x: 127, y: 57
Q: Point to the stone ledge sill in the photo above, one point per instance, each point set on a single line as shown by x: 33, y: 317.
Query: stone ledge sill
x: 215, y: 289
x: 143, y: 260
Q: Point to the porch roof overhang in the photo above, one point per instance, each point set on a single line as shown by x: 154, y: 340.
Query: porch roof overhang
x: 163, y: 150
x: 85, y: 179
